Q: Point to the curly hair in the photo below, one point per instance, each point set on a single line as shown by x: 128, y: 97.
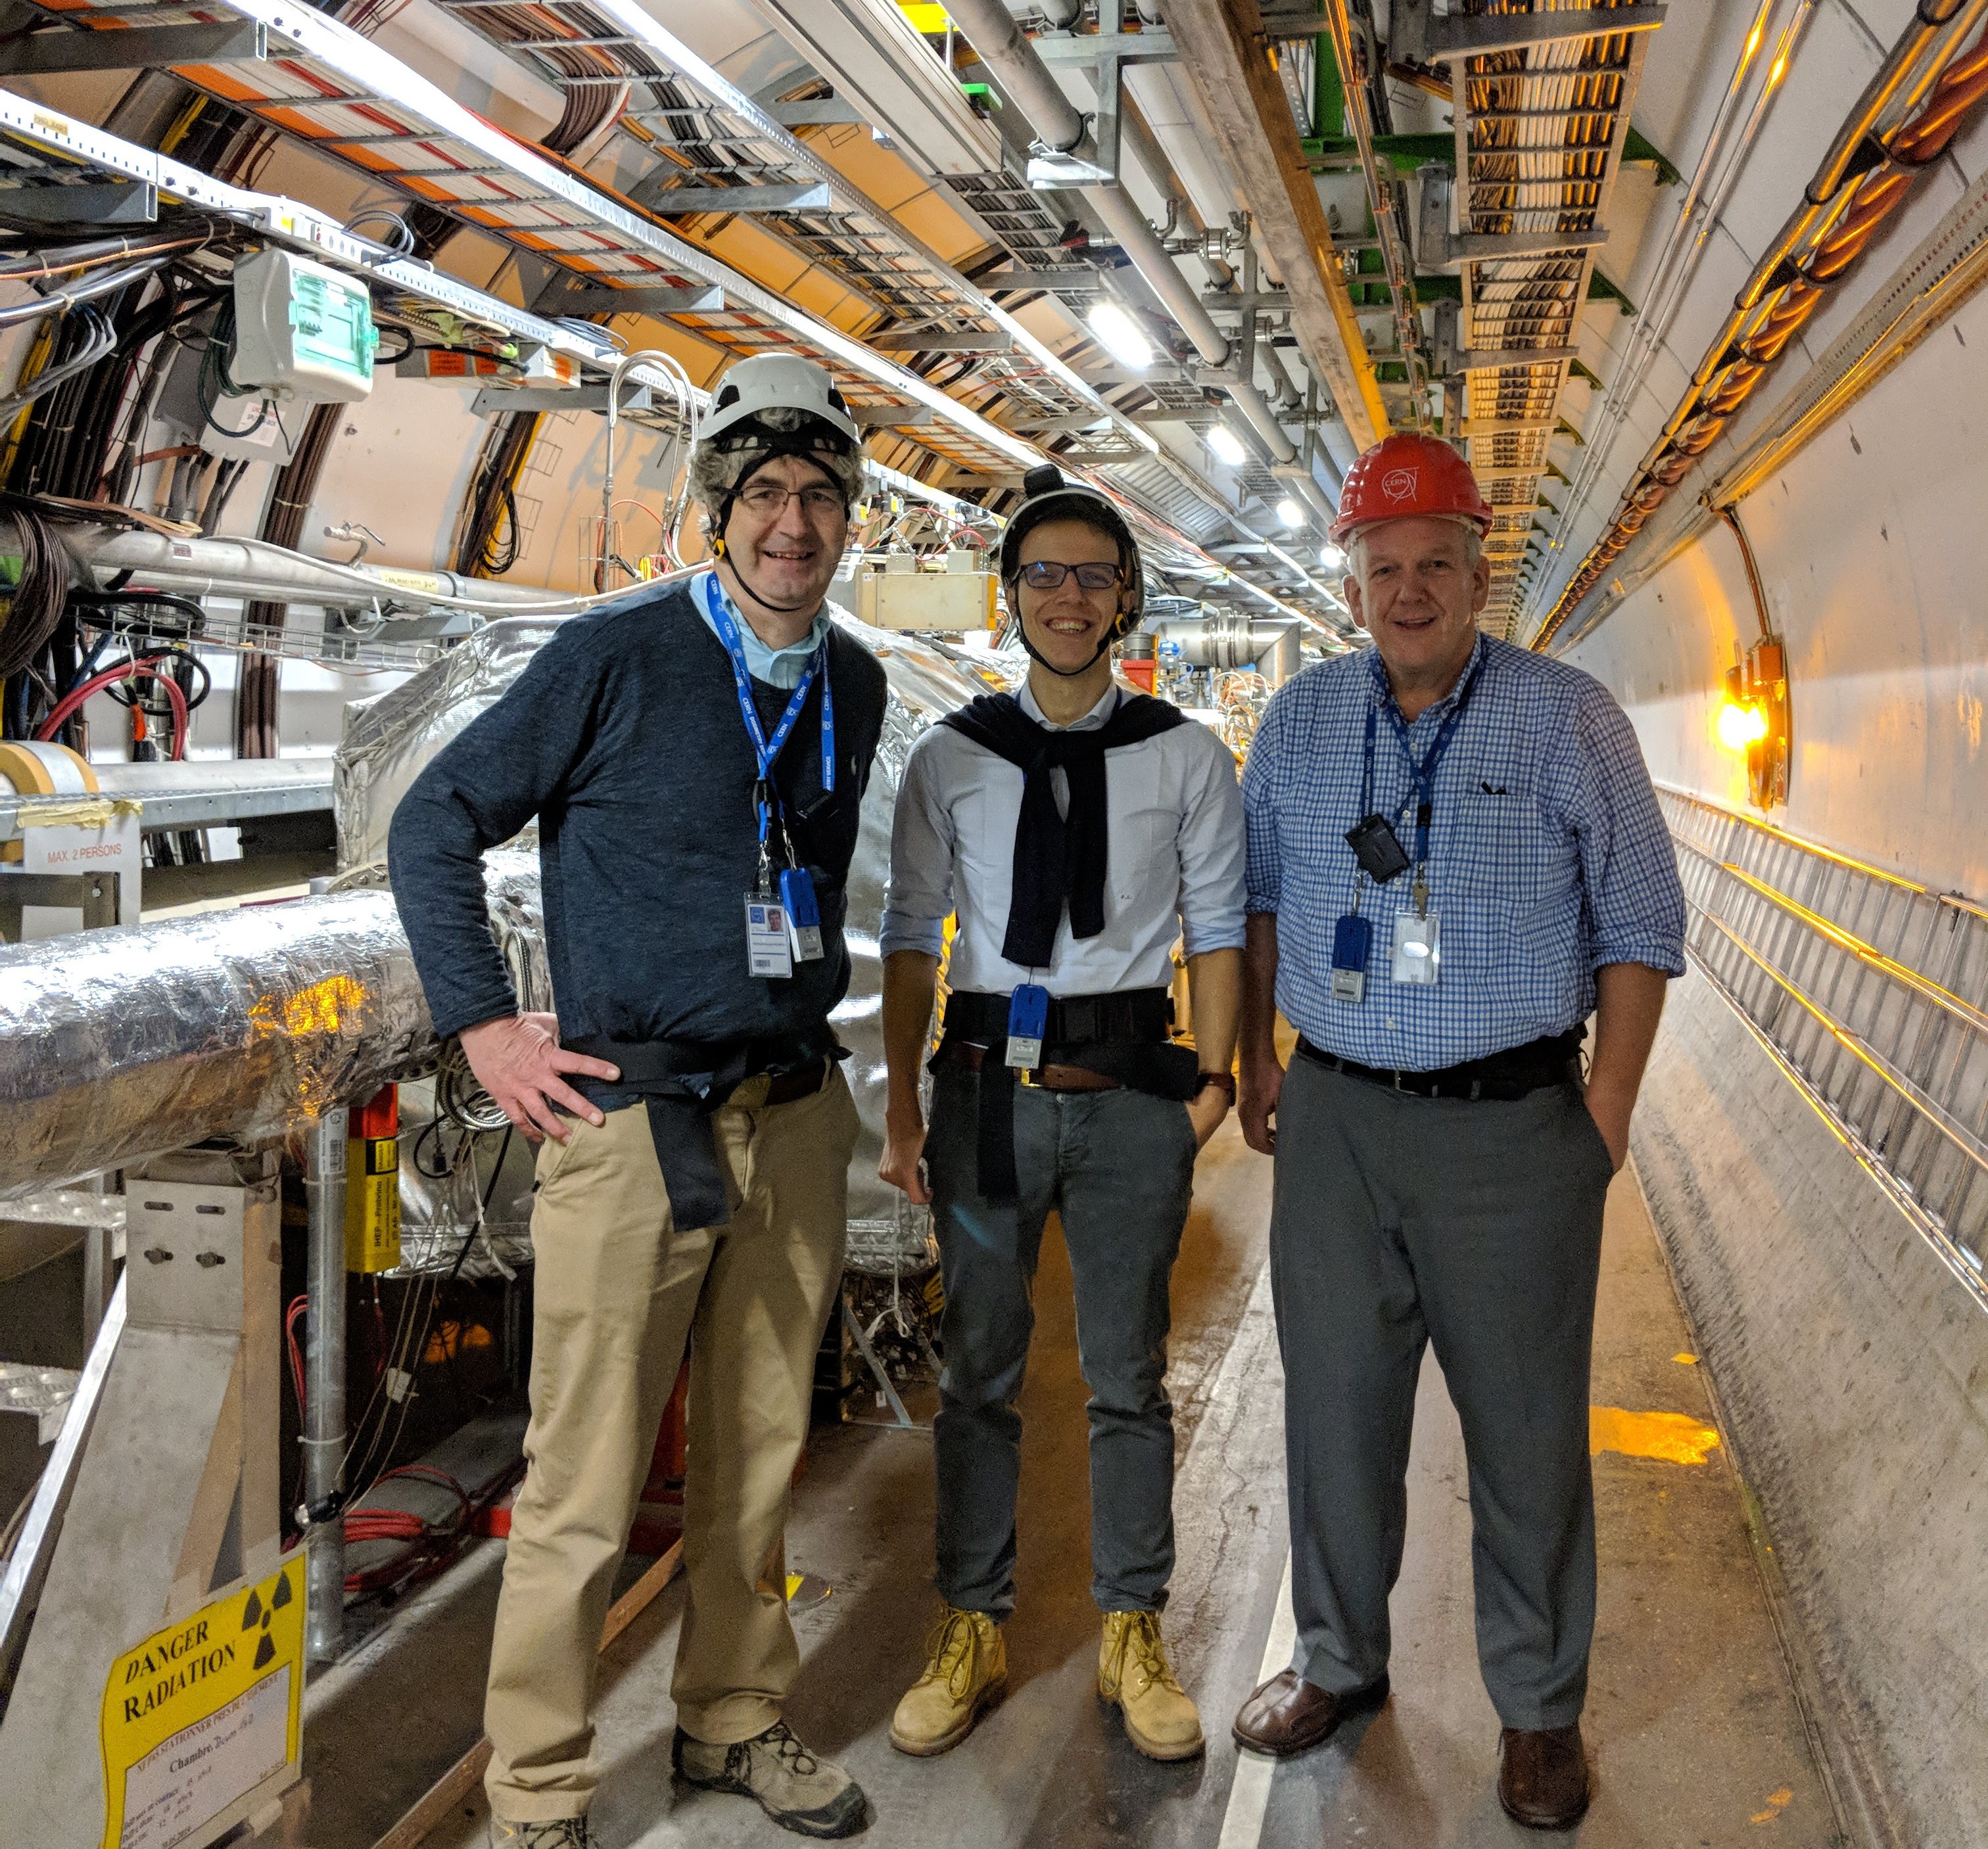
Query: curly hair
x: 716, y: 472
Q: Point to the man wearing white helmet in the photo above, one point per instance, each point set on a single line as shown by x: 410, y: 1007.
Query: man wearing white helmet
x: 695, y: 758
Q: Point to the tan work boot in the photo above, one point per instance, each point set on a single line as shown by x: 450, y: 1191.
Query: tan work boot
x: 966, y: 1673
x: 1134, y: 1674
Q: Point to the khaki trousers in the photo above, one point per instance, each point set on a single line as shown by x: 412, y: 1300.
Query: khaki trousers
x: 619, y: 1290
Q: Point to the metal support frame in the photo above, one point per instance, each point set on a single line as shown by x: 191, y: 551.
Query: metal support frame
x: 1105, y: 55
x: 1481, y: 361
x: 1417, y: 35
x: 941, y: 340
x: 684, y: 202
x: 134, y: 48
x: 324, y: 1434
x: 495, y: 400
x: 107, y: 202
x: 95, y: 894
x: 562, y: 297
x: 168, y: 1464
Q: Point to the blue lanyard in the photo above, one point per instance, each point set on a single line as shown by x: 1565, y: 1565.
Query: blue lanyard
x: 1424, y: 773
x: 767, y: 750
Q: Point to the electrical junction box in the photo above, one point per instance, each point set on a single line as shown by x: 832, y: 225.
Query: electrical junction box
x: 896, y: 592
x: 303, y: 332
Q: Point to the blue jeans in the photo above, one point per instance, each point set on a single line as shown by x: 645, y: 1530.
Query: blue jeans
x: 1118, y: 1168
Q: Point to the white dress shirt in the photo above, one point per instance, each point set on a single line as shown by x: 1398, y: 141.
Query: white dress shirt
x: 1175, y: 869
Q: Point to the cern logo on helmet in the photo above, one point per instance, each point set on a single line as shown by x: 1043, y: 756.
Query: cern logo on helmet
x: 1399, y: 484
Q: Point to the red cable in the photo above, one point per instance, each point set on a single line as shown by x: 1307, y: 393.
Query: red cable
x: 75, y: 697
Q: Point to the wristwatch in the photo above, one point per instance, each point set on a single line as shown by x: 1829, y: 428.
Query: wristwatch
x: 1225, y: 1080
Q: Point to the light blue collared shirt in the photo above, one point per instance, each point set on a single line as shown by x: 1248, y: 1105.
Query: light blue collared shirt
x: 776, y: 667
x: 1548, y: 857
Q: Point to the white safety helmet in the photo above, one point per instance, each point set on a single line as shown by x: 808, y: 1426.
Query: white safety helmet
x: 775, y: 382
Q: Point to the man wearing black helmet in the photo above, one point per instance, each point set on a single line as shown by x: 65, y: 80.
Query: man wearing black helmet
x: 1077, y: 830
x: 695, y: 757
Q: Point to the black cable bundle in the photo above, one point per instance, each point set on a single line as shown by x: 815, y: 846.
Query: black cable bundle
x: 36, y: 605
x: 490, y: 542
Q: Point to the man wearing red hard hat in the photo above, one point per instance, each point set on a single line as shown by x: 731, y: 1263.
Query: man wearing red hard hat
x: 1455, y: 858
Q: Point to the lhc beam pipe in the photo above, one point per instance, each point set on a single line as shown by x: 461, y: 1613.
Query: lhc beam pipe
x: 117, y: 1046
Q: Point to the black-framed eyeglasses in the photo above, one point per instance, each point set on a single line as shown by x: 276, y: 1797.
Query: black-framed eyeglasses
x: 765, y: 501
x: 1047, y: 574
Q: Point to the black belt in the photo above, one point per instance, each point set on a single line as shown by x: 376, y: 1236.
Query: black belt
x: 1120, y: 1037
x: 681, y: 1083
x: 1499, y: 1077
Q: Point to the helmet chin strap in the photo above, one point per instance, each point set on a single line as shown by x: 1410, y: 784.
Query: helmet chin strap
x: 718, y: 551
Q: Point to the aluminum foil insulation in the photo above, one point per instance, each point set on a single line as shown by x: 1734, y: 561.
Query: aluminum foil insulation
x: 119, y: 1045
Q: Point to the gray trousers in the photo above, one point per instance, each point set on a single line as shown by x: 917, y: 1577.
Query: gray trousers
x: 1119, y: 1166
x: 1401, y: 1220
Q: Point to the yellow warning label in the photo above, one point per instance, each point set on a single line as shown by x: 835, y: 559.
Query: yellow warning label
x: 431, y: 583
x: 202, y: 1712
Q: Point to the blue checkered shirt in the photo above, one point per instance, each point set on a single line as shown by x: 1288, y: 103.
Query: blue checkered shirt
x: 1548, y: 856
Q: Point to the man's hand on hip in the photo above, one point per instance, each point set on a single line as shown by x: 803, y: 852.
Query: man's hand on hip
x: 1260, y: 1083
x: 903, y: 1165
x: 517, y: 1059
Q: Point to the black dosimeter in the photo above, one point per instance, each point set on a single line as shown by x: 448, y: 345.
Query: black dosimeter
x: 1378, y: 850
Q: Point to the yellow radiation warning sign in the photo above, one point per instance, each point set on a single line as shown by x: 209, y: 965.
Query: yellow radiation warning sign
x: 202, y: 1712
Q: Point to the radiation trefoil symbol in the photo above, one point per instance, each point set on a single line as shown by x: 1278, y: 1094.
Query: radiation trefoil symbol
x: 255, y: 1614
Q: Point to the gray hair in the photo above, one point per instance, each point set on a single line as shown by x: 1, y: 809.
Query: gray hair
x: 715, y: 472
x: 1355, y: 548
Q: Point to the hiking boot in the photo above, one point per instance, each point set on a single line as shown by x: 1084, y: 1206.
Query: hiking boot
x: 797, y: 1790
x: 1134, y: 1674
x: 966, y: 1672
x: 561, y: 1833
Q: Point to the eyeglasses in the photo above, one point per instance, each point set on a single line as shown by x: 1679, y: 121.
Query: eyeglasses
x: 765, y: 502
x: 1046, y: 574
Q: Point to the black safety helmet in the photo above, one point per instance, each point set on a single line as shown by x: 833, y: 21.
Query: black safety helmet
x: 1046, y: 495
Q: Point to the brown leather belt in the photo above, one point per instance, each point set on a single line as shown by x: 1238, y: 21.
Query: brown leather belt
x: 760, y: 1089
x: 963, y: 1053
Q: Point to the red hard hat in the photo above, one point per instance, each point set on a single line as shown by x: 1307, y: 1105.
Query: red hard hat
x: 1407, y: 475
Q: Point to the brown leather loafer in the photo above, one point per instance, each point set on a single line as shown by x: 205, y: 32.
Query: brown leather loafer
x: 1289, y: 1714
x: 1543, y: 1776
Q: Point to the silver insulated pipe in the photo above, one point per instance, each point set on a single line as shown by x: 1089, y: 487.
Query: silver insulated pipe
x: 118, y: 1045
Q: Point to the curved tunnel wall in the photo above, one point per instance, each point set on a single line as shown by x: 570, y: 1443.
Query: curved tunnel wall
x: 1851, y: 1367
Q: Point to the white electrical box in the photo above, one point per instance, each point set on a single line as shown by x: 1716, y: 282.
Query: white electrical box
x: 895, y: 593
x: 303, y: 332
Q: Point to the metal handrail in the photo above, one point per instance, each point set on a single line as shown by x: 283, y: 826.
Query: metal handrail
x: 1812, y: 989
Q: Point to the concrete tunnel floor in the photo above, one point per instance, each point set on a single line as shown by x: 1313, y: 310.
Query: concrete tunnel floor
x: 1693, y: 1732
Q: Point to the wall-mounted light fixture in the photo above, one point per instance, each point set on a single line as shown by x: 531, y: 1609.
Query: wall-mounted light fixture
x: 1752, y: 719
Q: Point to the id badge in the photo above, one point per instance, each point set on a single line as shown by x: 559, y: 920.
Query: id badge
x: 803, y: 915
x: 1028, y: 1023
x: 768, y: 950
x: 1418, y: 950
x: 1352, y: 943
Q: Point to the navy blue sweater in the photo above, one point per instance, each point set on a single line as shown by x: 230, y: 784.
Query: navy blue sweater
x: 622, y: 735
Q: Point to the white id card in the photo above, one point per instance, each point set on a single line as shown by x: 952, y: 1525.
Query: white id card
x: 1418, y: 950
x: 769, y: 951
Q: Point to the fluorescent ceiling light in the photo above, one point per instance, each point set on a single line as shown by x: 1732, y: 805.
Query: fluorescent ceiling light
x: 1226, y: 446
x: 1331, y: 558
x: 1291, y: 514
x: 1120, y: 336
